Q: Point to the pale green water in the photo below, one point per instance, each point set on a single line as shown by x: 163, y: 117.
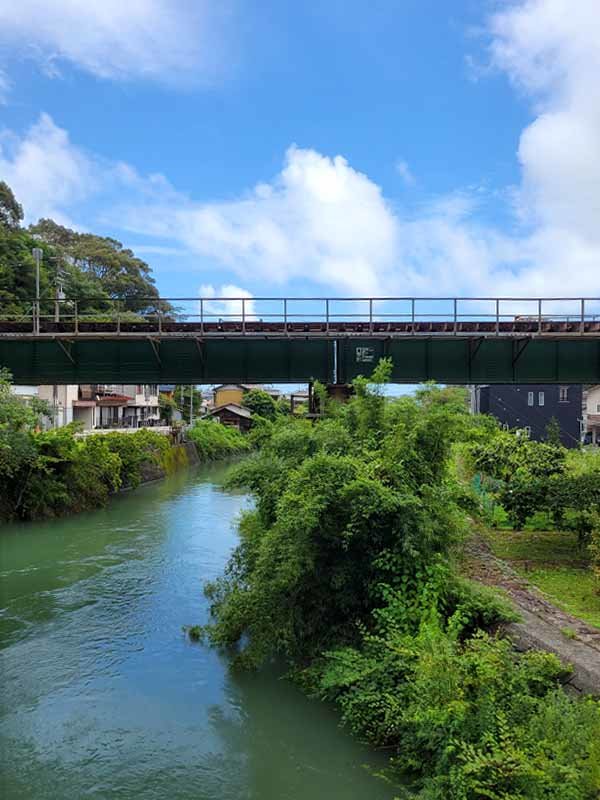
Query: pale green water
x: 101, y: 694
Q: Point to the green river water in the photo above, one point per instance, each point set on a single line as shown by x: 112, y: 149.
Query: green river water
x: 103, y: 696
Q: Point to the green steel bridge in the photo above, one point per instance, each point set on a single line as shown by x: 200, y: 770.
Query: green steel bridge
x: 293, y: 340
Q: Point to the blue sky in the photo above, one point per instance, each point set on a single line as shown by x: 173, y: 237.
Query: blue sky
x: 338, y: 147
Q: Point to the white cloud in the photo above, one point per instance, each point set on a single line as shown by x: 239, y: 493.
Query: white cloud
x: 47, y: 173
x: 405, y: 172
x: 227, y: 302
x: 163, y: 40
x: 551, y: 49
x: 319, y: 220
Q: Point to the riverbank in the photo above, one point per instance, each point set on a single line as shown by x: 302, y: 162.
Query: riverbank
x: 345, y: 570
x: 51, y: 473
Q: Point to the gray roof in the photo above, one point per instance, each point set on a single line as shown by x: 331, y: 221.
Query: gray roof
x: 240, y: 411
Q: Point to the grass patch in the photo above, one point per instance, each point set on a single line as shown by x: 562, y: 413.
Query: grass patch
x: 538, y: 547
x: 552, y: 561
x: 574, y: 590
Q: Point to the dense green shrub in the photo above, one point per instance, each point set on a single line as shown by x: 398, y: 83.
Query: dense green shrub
x: 214, y: 440
x: 53, y: 472
x: 134, y: 450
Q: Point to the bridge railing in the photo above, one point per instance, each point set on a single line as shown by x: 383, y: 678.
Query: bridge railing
x: 248, y: 315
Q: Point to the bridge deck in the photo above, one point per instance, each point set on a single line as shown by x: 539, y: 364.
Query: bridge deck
x: 332, y: 329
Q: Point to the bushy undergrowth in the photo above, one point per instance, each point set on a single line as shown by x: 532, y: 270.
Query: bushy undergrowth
x: 214, y: 440
x: 54, y: 472
x: 344, y: 569
x: 62, y: 473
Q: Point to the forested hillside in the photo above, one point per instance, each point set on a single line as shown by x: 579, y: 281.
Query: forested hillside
x: 92, y: 269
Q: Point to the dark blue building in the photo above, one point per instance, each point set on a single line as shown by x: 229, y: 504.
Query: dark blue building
x: 532, y: 406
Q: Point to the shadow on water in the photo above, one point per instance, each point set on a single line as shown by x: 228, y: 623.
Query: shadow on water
x: 103, y: 696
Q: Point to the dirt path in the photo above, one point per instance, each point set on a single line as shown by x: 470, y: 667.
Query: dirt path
x: 543, y: 625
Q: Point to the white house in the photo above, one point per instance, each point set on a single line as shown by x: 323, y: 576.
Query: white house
x: 591, y: 414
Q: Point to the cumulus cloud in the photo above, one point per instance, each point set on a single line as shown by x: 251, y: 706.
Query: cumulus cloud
x: 161, y: 40
x: 47, y: 173
x: 226, y: 302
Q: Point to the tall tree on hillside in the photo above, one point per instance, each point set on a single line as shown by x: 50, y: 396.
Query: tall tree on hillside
x: 116, y: 269
x: 11, y: 212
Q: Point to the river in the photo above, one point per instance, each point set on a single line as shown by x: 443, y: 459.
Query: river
x: 103, y: 696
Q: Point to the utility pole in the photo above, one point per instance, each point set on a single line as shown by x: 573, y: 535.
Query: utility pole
x: 37, y: 253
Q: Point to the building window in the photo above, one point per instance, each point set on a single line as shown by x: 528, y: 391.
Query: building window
x: 563, y: 394
x: 541, y: 398
x: 529, y: 398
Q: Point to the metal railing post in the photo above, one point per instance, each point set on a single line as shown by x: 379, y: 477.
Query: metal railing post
x: 582, y: 327
x: 497, y: 317
x: 159, y: 319
x: 201, y: 316
x: 243, y: 315
x: 285, y: 314
x: 118, y: 318
x: 412, y: 313
x: 540, y: 315
x: 327, y: 315
x: 75, y: 304
x: 370, y: 315
x: 455, y: 316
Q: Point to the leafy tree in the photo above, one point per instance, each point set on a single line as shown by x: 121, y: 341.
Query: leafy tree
x: 168, y: 407
x: 103, y: 259
x: 11, y: 212
x: 553, y: 433
x: 260, y: 403
x: 181, y: 396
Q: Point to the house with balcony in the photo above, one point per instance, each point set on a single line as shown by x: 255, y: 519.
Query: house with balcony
x: 101, y: 406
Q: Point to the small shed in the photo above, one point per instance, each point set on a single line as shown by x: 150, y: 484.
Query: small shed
x: 232, y: 414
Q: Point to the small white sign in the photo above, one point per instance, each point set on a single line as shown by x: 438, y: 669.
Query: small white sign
x: 365, y: 355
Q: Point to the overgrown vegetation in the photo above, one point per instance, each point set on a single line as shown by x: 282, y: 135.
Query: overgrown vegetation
x: 344, y: 569
x: 214, y: 440
x: 54, y: 472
